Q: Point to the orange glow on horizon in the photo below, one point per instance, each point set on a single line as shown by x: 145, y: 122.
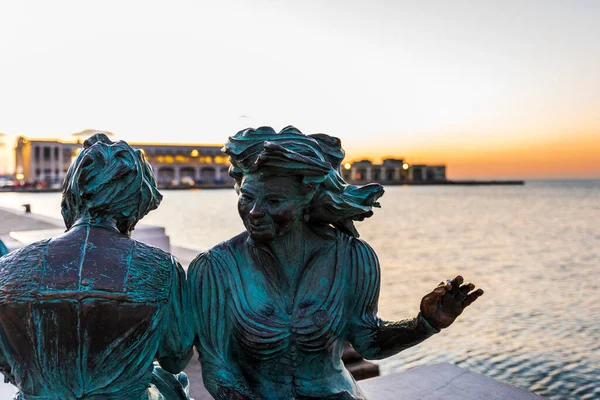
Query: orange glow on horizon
x: 466, y: 156
x: 565, y: 157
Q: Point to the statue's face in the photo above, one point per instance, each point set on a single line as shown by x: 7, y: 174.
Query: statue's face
x: 270, y: 206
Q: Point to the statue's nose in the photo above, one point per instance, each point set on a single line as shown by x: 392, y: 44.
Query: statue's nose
x: 257, y: 210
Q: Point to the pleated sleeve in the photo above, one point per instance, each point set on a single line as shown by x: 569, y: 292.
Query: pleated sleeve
x: 175, y: 347
x: 209, y: 279
x: 370, y: 336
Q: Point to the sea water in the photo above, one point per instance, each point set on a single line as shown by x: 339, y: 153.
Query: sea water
x: 534, y: 249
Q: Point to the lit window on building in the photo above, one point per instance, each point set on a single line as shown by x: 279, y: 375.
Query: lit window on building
x: 221, y: 160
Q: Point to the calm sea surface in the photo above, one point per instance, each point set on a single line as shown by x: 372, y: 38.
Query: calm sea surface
x: 534, y: 249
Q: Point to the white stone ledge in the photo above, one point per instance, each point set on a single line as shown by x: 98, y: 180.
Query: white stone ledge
x: 441, y: 381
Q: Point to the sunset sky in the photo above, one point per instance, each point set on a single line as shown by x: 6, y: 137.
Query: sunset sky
x: 506, y: 90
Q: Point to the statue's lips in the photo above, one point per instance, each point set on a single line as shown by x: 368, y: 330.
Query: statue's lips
x: 261, y: 226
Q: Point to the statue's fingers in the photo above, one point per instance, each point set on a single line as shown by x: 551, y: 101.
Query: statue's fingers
x: 472, y: 297
x: 465, y: 289
x: 456, y: 282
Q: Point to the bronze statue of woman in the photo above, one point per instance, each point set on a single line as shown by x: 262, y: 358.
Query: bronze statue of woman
x: 274, y: 305
x: 85, y: 314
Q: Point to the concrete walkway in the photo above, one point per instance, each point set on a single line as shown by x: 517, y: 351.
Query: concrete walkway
x: 14, y: 220
x: 441, y: 381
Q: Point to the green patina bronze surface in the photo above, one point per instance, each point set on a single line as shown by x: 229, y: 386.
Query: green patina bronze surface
x: 274, y: 305
x: 3, y: 249
x: 85, y: 314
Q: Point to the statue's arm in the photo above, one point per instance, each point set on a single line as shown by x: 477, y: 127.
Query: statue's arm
x: 176, y: 347
x: 370, y: 336
x: 207, y: 280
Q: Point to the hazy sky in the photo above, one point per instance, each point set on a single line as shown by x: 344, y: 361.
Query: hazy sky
x: 493, y: 89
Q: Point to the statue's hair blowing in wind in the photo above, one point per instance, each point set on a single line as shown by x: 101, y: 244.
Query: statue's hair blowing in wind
x: 315, y: 160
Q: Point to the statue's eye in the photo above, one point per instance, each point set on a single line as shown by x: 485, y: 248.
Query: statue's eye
x: 246, y: 198
x: 273, y: 200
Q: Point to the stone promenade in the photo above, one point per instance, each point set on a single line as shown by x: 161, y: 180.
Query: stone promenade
x: 15, y: 220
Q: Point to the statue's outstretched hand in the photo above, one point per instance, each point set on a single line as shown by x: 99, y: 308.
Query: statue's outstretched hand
x: 447, y: 301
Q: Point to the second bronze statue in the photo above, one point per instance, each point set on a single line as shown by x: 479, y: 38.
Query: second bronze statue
x: 274, y: 305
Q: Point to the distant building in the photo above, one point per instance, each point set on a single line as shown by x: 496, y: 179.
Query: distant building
x: 187, y: 164
x: 392, y: 171
x: 428, y: 173
x: 43, y: 161
x: 47, y: 161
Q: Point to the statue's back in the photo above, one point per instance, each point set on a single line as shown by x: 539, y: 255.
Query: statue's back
x: 80, y: 315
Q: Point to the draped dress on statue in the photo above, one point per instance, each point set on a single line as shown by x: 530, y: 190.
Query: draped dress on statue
x: 84, y: 315
x: 265, y: 341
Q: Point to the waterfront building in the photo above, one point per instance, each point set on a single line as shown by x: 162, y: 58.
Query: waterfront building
x: 428, y: 173
x: 187, y: 164
x: 40, y: 161
x: 392, y: 171
x: 45, y: 162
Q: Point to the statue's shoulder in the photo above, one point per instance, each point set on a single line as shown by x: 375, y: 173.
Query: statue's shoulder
x: 151, y: 268
x: 22, y: 268
x: 359, y: 256
x: 220, y: 258
x: 354, y: 244
x: 31, y: 254
x: 142, y: 251
x: 235, y: 244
